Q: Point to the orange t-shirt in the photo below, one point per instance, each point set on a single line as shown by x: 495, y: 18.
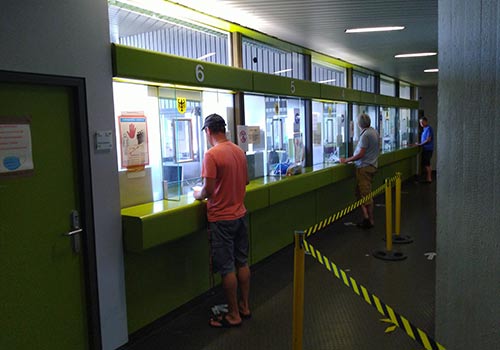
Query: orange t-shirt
x: 227, y: 164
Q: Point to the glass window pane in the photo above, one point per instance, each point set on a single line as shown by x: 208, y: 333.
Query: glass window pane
x: 328, y: 74
x: 134, y: 26
x: 263, y: 58
x: 363, y: 81
x: 404, y: 91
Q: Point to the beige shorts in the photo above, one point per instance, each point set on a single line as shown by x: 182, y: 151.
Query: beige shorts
x: 364, y: 178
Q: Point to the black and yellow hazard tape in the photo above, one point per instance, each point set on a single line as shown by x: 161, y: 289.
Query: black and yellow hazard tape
x: 332, y: 218
x: 397, y: 319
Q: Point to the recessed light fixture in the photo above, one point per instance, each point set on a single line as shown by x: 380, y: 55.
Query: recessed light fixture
x: 417, y: 54
x: 374, y: 29
x: 326, y: 81
x: 283, y: 71
x: 431, y: 70
x: 206, y: 56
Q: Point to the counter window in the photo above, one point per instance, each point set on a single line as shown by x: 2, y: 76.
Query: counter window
x: 404, y: 129
x: 354, y: 130
x: 172, y: 132
x: 387, y: 128
x: 329, y: 131
x: 280, y: 123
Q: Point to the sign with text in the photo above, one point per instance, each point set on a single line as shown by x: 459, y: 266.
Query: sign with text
x: 16, y: 155
x: 133, y: 140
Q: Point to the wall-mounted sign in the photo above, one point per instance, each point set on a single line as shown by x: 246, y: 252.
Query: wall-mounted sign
x: 133, y: 140
x: 16, y: 155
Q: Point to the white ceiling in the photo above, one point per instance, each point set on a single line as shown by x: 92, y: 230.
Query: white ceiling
x: 319, y: 25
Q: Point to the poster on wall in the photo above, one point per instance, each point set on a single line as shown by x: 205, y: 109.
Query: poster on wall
x: 16, y: 154
x: 133, y: 140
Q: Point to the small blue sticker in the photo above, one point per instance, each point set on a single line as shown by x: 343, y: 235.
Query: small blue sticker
x: 11, y: 163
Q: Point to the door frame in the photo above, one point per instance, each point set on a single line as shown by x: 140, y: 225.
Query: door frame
x: 79, y: 121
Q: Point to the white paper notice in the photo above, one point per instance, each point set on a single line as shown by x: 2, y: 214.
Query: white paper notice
x: 15, y: 148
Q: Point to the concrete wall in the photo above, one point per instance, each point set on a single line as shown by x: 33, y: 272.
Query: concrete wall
x: 72, y: 38
x: 468, y: 188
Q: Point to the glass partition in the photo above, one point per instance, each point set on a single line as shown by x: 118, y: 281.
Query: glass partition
x: 279, y: 124
x: 171, y: 126
x: 387, y: 128
x: 354, y: 130
x: 329, y: 123
x: 404, y: 130
x: 182, y: 113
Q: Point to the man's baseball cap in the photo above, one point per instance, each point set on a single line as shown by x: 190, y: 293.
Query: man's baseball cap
x: 213, y: 120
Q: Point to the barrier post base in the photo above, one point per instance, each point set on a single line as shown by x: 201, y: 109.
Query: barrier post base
x: 401, y: 239
x: 389, y: 255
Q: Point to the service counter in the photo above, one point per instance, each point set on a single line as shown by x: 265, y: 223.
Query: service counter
x: 166, y: 246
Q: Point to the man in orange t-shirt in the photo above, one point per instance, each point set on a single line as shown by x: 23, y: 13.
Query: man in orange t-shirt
x: 225, y: 178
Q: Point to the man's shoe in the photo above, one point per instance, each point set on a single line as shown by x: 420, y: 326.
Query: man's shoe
x: 365, y: 224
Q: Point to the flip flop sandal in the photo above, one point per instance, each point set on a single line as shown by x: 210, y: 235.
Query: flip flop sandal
x: 222, y: 323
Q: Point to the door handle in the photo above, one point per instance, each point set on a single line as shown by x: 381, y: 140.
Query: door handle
x: 72, y: 233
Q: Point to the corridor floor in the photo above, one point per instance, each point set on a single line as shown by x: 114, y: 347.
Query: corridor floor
x: 334, y: 316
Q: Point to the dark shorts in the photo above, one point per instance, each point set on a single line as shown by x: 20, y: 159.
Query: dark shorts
x: 229, y: 245
x: 426, y: 158
x: 364, y: 178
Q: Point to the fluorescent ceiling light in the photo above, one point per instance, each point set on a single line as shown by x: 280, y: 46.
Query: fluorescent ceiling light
x: 326, y: 81
x: 418, y: 54
x: 432, y: 70
x: 374, y: 29
x: 206, y: 56
x: 283, y: 71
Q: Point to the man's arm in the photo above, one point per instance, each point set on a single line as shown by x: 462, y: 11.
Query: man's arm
x: 357, y: 156
x: 206, y: 190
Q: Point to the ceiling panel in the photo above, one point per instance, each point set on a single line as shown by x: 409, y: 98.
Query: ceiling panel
x: 319, y: 25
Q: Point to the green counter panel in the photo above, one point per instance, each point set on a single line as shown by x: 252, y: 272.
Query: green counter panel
x: 165, y: 277
x: 152, y: 66
x: 272, y: 228
x: 333, y: 198
x: 294, y: 186
x: 257, y: 197
x: 151, y: 224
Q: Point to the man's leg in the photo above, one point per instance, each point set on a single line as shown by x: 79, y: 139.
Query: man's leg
x: 428, y: 171
x: 230, y: 287
x: 244, y: 284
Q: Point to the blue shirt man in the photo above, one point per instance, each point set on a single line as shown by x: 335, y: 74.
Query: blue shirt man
x: 427, y: 143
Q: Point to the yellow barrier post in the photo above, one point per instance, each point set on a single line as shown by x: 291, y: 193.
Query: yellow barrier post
x: 388, y: 216
x: 298, y: 291
x: 397, y: 222
x: 388, y: 254
x: 397, y: 237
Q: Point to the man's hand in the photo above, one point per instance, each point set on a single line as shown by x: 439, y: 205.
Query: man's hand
x: 342, y: 160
